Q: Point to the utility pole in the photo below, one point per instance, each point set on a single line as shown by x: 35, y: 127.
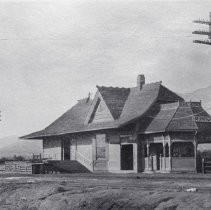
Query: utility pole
x: 202, y: 32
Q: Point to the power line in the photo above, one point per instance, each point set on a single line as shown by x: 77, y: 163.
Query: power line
x: 66, y: 39
x: 202, y: 32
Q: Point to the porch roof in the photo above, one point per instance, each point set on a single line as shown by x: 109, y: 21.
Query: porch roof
x: 158, y: 118
x: 175, y: 117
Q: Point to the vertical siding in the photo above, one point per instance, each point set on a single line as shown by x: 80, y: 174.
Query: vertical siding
x: 183, y: 164
x: 84, y: 146
x: 52, y: 149
x: 114, y: 152
x: 73, y: 148
x: 81, y: 144
x: 114, y: 157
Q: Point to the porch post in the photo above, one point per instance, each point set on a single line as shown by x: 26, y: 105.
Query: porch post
x: 164, y: 155
x: 62, y: 149
x: 147, y: 155
x: 170, y: 166
x: 195, y: 153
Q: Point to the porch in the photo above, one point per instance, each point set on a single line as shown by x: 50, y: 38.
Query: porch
x: 169, y: 153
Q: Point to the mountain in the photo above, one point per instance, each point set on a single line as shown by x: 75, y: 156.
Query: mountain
x: 203, y: 94
x: 8, y: 140
x: 12, y: 145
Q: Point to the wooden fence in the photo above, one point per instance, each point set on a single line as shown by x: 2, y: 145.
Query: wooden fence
x: 18, y: 167
x: 206, y: 165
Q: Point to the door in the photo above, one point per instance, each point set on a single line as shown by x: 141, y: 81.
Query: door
x: 66, y: 146
x: 127, y: 157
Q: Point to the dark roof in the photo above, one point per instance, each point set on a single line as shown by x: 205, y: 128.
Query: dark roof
x: 114, y: 98
x: 139, y: 102
x: 183, y: 119
x: 199, y: 111
x: 125, y: 105
x: 157, y: 118
x: 166, y: 95
x: 174, y: 117
x: 71, y: 122
x: 34, y: 135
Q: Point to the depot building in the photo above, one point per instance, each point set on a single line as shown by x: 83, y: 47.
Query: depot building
x: 146, y: 128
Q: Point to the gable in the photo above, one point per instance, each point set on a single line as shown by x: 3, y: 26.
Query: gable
x: 98, y: 111
x: 114, y: 98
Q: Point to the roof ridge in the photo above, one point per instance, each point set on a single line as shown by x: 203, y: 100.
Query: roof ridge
x: 151, y: 83
x: 111, y: 87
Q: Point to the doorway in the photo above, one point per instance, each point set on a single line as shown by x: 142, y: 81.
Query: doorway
x: 66, y: 149
x: 127, y: 157
x: 156, y: 152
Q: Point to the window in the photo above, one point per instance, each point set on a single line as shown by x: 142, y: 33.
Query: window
x: 182, y: 149
x: 100, y: 146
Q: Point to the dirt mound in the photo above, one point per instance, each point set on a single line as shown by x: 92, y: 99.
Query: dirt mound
x: 91, y: 194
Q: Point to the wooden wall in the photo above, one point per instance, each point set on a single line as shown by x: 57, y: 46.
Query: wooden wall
x: 52, y: 148
x: 101, y: 113
x: 183, y: 164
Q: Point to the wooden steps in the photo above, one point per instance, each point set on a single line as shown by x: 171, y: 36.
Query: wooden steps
x: 66, y: 166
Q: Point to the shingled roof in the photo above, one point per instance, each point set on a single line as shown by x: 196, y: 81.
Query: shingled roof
x: 139, y: 102
x: 183, y: 119
x: 69, y: 121
x: 125, y: 105
x: 174, y: 117
x: 157, y: 118
x: 114, y: 98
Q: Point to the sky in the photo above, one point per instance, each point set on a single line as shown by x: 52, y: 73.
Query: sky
x: 55, y: 52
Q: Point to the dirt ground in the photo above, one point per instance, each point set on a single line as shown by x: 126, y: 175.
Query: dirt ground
x: 105, y: 191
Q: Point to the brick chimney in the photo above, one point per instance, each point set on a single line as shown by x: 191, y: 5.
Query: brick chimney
x: 140, y: 81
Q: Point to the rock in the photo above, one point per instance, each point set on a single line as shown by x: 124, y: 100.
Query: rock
x: 191, y: 190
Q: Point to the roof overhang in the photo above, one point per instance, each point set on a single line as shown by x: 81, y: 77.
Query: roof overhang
x: 65, y: 133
